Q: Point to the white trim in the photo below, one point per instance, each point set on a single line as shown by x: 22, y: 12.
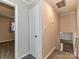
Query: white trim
x: 8, y: 3
x: 25, y: 1
x: 77, y: 36
x: 24, y: 55
x: 50, y: 53
x: 74, y: 42
x: 16, y: 25
x: 61, y: 46
x: 78, y: 55
x: 29, y: 30
x: 16, y: 32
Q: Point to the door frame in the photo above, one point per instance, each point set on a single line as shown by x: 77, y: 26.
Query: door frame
x: 16, y: 24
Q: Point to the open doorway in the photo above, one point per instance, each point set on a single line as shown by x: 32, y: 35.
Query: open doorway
x: 7, y: 31
x: 60, y: 28
x: 68, y: 29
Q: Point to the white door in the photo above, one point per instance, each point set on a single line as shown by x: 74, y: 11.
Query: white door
x: 34, y: 31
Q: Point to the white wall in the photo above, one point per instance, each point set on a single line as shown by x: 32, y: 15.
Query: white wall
x: 22, y: 41
x: 50, y: 22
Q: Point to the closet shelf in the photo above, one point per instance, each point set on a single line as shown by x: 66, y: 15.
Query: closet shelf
x: 7, y: 17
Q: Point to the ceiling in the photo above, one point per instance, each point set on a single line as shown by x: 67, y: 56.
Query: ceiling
x: 71, y: 5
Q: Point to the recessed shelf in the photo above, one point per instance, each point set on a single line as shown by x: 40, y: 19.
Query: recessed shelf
x: 9, y: 17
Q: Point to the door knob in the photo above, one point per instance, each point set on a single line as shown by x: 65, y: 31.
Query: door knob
x: 36, y: 36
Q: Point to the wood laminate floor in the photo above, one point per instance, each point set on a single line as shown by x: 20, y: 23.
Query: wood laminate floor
x: 7, y: 50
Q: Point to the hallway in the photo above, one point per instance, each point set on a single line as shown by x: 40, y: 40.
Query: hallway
x: 38, y: 28
x: 61, y: 55
x: 60, y: 26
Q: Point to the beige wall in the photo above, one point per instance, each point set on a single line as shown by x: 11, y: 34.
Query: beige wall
x: 50, y: 29
x: 68, y: 22
x: 7, y: 11
x: 5, y: 34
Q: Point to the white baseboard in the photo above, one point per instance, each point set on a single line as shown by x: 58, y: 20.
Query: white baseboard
x: 23, y: 55
x: 78, y: 56
x: 49, y: 53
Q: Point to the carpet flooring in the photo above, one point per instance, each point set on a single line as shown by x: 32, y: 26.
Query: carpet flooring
x: 61, y: 55
x: 7, y: 50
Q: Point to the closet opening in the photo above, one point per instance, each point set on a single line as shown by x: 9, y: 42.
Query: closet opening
x: 7, y: 31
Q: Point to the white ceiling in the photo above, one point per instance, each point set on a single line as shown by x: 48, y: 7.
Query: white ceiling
x: 71, y: 5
